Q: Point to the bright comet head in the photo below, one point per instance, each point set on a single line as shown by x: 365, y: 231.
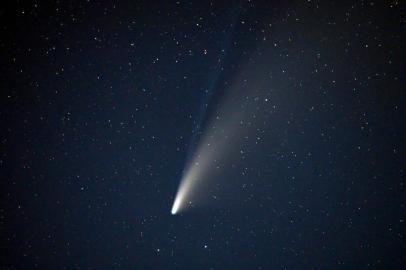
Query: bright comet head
x: 180, y: 196
x: 175, y: 206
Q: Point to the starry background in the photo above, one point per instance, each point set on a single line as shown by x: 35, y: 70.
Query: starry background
x: 102, y: 104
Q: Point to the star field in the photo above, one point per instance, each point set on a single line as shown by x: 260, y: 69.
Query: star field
x: 104, y: 103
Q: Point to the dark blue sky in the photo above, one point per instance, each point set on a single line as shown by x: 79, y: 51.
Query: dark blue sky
x: 102, y: 103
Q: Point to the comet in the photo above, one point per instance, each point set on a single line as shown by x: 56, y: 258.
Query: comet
x: 233, y: 117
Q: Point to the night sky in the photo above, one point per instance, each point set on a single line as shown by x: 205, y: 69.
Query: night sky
x: 104, y: 103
